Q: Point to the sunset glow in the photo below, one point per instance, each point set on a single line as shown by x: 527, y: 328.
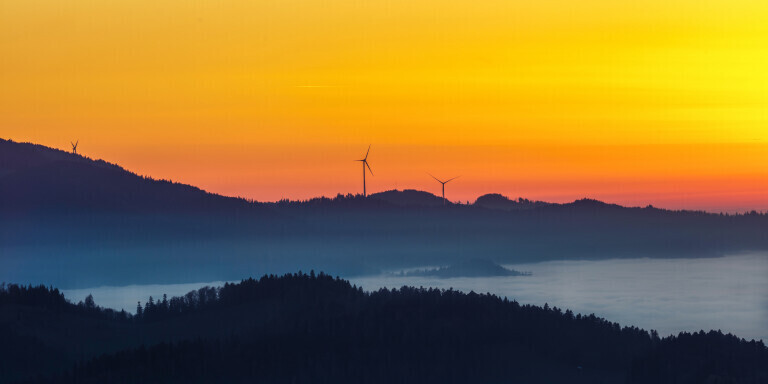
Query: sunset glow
x: 655, y: 102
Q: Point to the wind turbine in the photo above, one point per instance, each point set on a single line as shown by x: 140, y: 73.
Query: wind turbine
x: 74, y: 146
x: 443, y: 183
x: 364, y: 160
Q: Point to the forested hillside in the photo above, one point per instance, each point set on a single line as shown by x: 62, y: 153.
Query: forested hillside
x: 315, y: 328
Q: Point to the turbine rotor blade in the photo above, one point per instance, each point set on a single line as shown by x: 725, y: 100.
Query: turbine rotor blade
x: 366, y: 152
x: 369, y: 167
x: 452, y: 179
x: 438, y: 180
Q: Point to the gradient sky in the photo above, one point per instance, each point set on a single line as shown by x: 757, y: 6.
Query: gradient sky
x: 661, y: 102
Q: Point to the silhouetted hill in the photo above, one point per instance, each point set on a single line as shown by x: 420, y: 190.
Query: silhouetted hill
x: 319, y: 329
x: 38, y: 179
x: 468, y: 268
x: 498, y: 201
x: 76, y: 222
x: 409, y: 197
x: 592, y: 204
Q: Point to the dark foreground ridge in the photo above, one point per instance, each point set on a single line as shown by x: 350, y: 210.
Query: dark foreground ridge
x: 301, y: 328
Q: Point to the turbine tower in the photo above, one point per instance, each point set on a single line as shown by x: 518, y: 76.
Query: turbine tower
x: 364, y: 160
x: 443, y: 183
x: 74, y: 146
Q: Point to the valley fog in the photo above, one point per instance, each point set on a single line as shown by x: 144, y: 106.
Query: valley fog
x: 669, y: 295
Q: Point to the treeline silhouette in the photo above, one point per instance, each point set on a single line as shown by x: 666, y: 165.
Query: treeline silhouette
x: 52, y: 300
x: 316, y: 328
x: 498, y: 201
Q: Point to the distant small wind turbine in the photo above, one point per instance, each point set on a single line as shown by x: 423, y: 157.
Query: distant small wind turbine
x: 443, y: 183
x: 364, y: 160
x: 74, y: 146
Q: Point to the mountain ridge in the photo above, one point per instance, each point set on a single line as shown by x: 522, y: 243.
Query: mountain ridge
x: 34, y: 177
x: 24, y: 156
x: 105, y: 225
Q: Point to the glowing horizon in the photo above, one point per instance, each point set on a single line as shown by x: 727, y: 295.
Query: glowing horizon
x: 659, y: 102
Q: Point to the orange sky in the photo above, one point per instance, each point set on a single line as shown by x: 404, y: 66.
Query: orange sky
x: 657, y: 102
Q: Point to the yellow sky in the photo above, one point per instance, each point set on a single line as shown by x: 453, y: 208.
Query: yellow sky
x: 286, y: 91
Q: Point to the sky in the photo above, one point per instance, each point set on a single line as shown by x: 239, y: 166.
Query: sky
x: 661, y: 102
